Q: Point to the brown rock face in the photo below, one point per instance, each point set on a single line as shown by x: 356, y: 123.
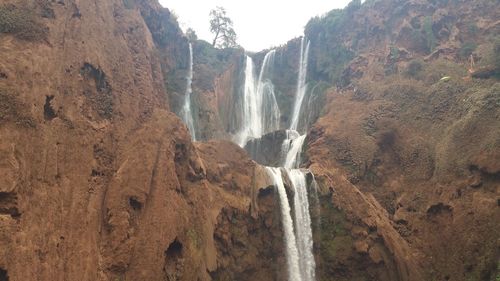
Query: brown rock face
x: 99, y: 181
x: 418, y: 182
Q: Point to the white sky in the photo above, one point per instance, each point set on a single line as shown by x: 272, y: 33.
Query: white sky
x: 259, y: 24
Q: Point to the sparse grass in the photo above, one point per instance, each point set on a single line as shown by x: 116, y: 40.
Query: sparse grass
x: 432, y: 72
x: 11, y: 110
x: 103, y: 101
x: 22, y: 23
x: 194, y: 238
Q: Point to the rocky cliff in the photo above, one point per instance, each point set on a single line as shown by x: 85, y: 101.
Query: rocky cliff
x: 417, y: 151
x: 99, y: 179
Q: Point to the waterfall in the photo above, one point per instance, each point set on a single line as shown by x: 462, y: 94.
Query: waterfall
x: 261, y: 115
x: 265, y: 89
x: 303, y: 232
x: 186, y: 111
x: 260, y: 110
x: 291, y: 251
x: 287, y: 145
x: 302, y: 236
x: 251, y: 113
x: 293, y: 149
x: 301, y: 83
x: 297, y: 231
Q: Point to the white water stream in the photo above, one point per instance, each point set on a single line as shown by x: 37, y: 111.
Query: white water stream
x: 186, y: 111
x: 291, y: 251
x: 301, y: 84
x: 261, y: 113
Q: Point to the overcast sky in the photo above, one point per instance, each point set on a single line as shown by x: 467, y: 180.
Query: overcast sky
x: 259, y: 24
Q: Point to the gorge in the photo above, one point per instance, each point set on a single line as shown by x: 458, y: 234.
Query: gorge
x: 367, y: 149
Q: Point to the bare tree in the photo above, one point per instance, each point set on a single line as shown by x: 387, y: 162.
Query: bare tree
x: 222, y: 26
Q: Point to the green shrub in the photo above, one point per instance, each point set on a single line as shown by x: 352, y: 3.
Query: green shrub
x: 467, y: 49
x: 435, y: 70
x: 163, y: 26
x: 22, y: 23
x: 394, y: 53
x: 414, y: 68
x: 473, y: 29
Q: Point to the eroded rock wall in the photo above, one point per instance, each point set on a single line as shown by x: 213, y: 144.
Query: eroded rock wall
x: 100, y: 181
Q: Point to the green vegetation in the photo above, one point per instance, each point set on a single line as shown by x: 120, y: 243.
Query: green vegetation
x: 414, y: 68
x: 329, y: 55
x: 432, y: 72
x: 394, y: 53
x: 473, y: 28
x: 22, y: 23
x: 335, y: 239
x: 163, y: 26
x: 467, y: 49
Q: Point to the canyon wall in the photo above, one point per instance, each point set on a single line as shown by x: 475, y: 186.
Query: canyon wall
x: 99, y: 179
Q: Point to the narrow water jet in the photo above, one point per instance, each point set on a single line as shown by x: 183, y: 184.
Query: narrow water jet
x: 186, y: 111
x: 301, y: 84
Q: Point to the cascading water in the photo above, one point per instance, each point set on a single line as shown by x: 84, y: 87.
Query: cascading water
x: 186, y: 111
x: 251, y: 110
x: 294, y: 141
x: 292, y: 156
x: 260, y: 110
x: 301, y: 84
x: 291, y: 251
x: 303, y: 230
x: 291, y: 150
x: 261, y: 115
x: 299, y: 243
x: 265, y: 88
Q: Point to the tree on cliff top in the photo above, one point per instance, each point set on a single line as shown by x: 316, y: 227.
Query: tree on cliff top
x: 222, y: 26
